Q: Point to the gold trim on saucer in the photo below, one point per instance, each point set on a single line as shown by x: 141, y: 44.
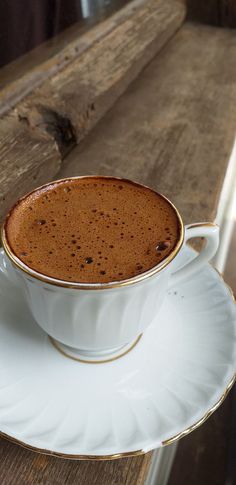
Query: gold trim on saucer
x: 90, y: 286
x: 191, y: 428
x: 85, y: 361
x: 134, y: 453
x: 42, y: 451
x: 127, y: 454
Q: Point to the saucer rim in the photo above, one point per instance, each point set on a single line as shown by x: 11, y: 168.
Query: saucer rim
x: 129, y: 454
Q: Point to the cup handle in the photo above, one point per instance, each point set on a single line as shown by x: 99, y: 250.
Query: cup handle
x: 202, y: 229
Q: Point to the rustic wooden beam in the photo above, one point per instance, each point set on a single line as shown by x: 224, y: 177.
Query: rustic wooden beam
x: 26, y: 160
x: 73, y: 96
x: 140, y: 20
x: 89, y: 85
x: 20, y: 466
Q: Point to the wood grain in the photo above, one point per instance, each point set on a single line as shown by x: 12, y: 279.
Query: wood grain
x: 27, y: 160
x: 84, y: 81
x: 22, y: 467
x: 84, y: 62
x: 89, y: 85
x: 174, y: 127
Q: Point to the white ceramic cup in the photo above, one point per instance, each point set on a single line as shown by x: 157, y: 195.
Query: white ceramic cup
x: 101, y: 321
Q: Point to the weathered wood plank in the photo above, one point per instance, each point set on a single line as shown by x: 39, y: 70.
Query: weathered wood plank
x: 68, y: 16
x: 89, y: 85
x: 174, y: 127
x: 20, y: 77
x: 93, y: 72
x: 141, y: 22
x: 22, y: 467
x: 26, y: 160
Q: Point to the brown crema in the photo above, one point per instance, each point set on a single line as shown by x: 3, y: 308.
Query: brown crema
x: 92, y: 229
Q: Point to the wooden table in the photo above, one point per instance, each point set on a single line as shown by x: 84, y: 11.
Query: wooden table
x: 173, y: 129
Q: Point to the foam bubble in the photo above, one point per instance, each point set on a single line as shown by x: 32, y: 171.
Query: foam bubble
x: 99, y: 226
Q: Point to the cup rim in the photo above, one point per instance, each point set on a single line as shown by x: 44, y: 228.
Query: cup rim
x: 90, y: 286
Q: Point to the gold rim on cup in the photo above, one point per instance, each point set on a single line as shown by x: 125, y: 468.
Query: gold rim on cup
x: 91, y: 286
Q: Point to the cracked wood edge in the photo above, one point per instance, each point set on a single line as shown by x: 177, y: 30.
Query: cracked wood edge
x: 13, y: 93
x: 26, y: 161
x: 90, y: 85
x: 37, y: 134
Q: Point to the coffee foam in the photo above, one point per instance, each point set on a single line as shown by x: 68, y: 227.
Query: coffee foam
x: 92, y: 230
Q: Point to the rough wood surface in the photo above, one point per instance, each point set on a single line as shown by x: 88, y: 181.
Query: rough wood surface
x: 92, y: 63
x: 174, y: 127
x: 215, y: 12
x: 26, y: 160
x: 62, y: 21
x: 89, y: 85
x: 22, y: 467
x: 85, y: 80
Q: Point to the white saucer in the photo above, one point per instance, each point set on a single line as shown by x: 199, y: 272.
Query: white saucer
x: 168, y: 384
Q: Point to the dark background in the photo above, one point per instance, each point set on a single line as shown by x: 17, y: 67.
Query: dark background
x: 25, y: 24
